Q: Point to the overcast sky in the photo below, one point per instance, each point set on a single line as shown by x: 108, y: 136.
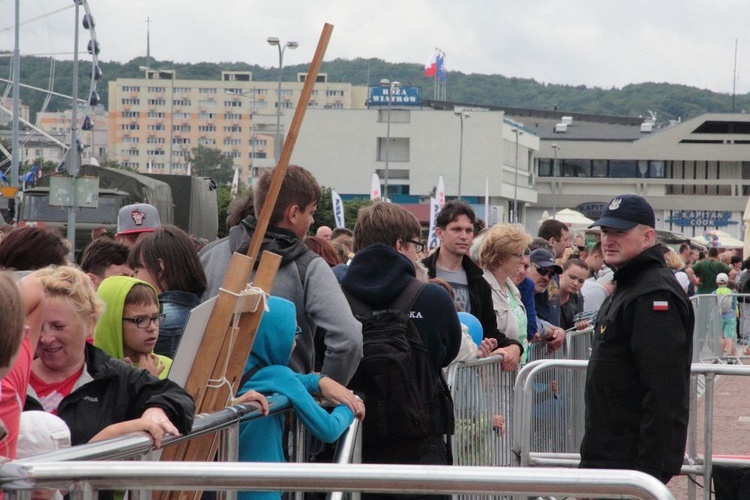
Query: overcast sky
x: 601, y: 43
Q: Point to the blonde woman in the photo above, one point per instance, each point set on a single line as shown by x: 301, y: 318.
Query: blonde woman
x: 677, y: 266
x: 97, y: 396
x: 501, y: 253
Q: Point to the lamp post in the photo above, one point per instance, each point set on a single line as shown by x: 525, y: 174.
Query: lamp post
x: 518, y: 132
x: 461, y: 115
x: 274, y: 41
x: 392, y: 87
x: 556, y: 147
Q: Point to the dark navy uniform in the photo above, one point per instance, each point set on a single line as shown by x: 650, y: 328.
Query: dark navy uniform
x: 637, y: 383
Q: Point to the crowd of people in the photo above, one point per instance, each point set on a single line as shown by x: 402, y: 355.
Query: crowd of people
x: 92, y: 342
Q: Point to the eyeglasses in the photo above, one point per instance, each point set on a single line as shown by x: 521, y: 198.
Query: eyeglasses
x: 519, y: 255
x: 145, y: 322
x: 418, y: 246
x: 543, y: 271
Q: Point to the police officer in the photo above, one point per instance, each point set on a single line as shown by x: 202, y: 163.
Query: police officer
x: 637, y: 383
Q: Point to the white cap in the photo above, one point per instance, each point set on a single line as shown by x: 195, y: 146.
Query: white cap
x: 41, y: 432
x: 722, y: 278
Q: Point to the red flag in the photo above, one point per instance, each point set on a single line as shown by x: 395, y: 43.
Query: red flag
x: 430, y: 67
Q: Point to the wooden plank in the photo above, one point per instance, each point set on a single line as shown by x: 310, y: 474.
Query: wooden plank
x: 212, y: 355
x: 286, y: 153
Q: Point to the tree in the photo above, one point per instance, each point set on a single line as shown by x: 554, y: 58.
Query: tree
x: 211, y: 162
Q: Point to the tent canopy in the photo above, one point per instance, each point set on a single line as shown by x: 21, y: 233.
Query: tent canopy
x: 576, y: 221
x: 719, y: 239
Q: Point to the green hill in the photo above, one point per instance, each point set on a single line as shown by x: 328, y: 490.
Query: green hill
x: 667, y: 100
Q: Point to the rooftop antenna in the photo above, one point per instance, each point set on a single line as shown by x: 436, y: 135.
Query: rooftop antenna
x: 734, y: 76
x: 148, y: 41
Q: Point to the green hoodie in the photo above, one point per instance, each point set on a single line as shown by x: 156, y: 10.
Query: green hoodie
x: 108, y: 331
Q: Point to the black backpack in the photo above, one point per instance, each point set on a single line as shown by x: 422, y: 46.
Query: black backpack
x: 403, y: 395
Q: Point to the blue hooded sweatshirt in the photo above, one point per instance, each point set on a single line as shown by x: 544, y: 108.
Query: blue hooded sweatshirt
x: 260, y: 439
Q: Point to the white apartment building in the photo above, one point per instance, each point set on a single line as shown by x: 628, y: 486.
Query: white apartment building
x: 344, y: 148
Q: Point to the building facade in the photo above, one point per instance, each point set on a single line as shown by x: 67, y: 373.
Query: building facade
x: 696, y: 173
x: 155, y: 121
x: 344, y: 148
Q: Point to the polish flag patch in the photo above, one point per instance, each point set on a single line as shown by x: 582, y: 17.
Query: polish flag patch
x: 661, y: 305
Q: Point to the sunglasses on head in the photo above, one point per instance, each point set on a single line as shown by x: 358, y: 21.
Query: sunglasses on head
x: 543, y: 271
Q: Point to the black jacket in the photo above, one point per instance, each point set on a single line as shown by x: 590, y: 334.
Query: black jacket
x: 637, y: 383
x: 117, y: 393
x: 480, y: 295
x: 378, y: 274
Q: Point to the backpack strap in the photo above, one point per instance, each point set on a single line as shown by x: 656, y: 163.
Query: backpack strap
x: 302, y: 262
x: 249, y: 374
x: 408, y: 296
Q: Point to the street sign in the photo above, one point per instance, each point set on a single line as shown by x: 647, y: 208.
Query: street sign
x: 8, y: 192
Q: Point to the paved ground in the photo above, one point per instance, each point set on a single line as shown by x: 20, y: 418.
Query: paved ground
x: 731, y: 426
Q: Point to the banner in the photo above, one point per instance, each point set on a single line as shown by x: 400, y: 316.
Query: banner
x: 440, y: 192
x: 235, y: 182
x: 338, y: 209
x: 375, y: 188
x: 432, y: 240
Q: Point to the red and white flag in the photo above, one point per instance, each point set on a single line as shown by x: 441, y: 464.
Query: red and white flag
x: 661, y: 305
x: 375, y: 187
x: 440, y: 192
x: 430, y: 67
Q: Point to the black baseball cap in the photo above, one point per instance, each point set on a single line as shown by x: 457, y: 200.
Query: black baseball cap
x: 544, y: 258
x: 625, y: 212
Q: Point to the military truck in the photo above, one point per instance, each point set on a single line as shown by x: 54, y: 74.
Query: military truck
x: 188, y: 202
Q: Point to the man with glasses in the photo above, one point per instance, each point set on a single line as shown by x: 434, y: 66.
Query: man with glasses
x: 542, y: 272
x: 454, y: 226
x: 638, y: 378
x: 382, y: 277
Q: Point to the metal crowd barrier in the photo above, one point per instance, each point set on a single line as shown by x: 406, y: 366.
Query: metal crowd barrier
x: 482, y: 395
x: 84, y: 479
x: 695, y: 464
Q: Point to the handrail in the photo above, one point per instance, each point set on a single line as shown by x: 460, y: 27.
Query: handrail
x: 140, y: 444
x: 523, y: 405
x: 84, y: 476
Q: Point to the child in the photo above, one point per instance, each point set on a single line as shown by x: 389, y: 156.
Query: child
x: 267, y: 373
x: 129, y: 327
x: 728, y: 309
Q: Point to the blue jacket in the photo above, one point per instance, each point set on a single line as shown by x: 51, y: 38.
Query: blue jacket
x: 176, y: 306
x: 260, y: 439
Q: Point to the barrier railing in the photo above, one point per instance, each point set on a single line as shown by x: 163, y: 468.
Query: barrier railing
x: 84, y: 479
x: 482, y: 395
x: 139, y: 445
x: 695, y: 464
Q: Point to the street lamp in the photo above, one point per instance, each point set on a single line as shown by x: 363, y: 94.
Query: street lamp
x: 556, y: 147
x: 518, y: 132
x: 274, y: 41
x: 461, y: 115
x: 393, y: 87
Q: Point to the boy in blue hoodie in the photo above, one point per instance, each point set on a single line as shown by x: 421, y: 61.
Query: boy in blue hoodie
x: 260, y: 439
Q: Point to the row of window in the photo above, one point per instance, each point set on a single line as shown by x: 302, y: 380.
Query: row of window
x: 602, y: 168
x: 210, y: 103
x: 182, y: 116
x: 182, y: 154
x: 203, y: 141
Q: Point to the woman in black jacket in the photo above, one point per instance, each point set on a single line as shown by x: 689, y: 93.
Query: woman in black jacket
x: 97, y: 396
